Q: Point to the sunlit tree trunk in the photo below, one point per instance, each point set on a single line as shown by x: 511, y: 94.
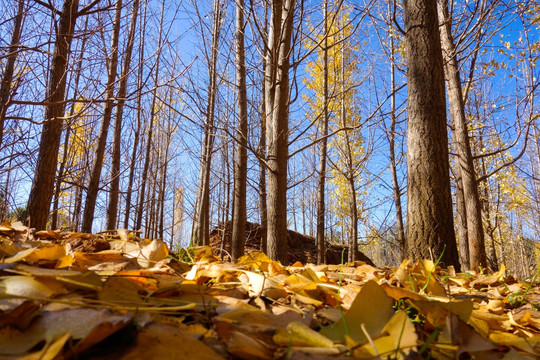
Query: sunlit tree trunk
x: 464, y: 159
x: 430, y: 228
x: 321, y: 181
x: 240, y: 172
x: 112, y: 211
x: 400, y: 228
x: 277, y: 126
x: 201, y: 221
x: 41, y: 193
x: 95, y: 175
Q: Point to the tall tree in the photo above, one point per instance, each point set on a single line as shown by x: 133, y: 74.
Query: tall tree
x: 277, y: 123
x: 39, y: 201
x: 7, y: 76
x: 464, y: 158
x: 430, y: 230
x: 112, y: 211
x: 321, y: 181
x: 240, y: 170
x: 95, y: 175
x: 201, y: 221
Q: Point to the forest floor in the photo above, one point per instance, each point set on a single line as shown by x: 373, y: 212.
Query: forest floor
x: 115, y: 296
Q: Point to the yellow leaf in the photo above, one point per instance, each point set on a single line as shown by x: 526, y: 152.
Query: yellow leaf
x: 53, y: 252
x: 298, y: 334
x: 371, y: 308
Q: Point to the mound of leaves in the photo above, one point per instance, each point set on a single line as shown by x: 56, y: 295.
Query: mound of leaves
x: 115, y: 296
x: 301, y: 247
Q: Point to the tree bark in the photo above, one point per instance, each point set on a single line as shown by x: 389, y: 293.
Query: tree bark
x: 95, y: 176
x: 323, y: 145
x: 112, y: 211
x: 240, y: 173
x: 475, y: 231
x: 201, y: 221
x: 39, y: 201
x: 7, y: 77
x: 430, y: 231
x: 277, y: 126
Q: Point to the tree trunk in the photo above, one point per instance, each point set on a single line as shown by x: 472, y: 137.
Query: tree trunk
x: 112, y: 211
x: 392, y: 144
x: 137, y: 135
x: 7, y: 77
x: 321, y: 182
x: 475, y: 231
x: 150, y: 139
x: 240, y: 173
x: 277, y: 126
x: 430, y: 231
x: 39, y: 201
x: 95, y: 176
x: 201, y: 221
x: 461, y: 219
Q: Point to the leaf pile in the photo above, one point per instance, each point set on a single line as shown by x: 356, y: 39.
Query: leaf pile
x: 115, y: 296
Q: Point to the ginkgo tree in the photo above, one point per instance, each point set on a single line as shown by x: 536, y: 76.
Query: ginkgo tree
x: 333, y: 104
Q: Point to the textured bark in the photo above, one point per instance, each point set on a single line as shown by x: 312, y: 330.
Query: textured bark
x: 95, y: 176
x: 201, y: 222
x: 475, y: 231
x: 39, y: 201
x: 277, y: 126
x: 7, y: 76
x: 461, y: 220
x: 240, y: 172
x: 323, y: 145
x: 430, y: 231
x: 112, y: 210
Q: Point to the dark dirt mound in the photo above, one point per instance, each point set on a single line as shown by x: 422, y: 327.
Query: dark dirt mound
x: 301, y: 247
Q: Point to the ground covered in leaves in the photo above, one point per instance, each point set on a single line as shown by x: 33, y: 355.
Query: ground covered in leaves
x: 115, y: 296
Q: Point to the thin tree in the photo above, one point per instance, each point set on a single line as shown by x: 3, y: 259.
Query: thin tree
x: 201, y: 221
x: 7, y: 76
x: 95, y: 175
x: 323, y: 145
x: 464, y: 158
x: 240, y: 168
x: 112, y: 211
x: 430, y: 230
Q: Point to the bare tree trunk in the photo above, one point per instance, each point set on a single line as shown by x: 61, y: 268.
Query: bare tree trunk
x: 7, y: 76
x: 95, y: 176
x: 155, y: 75
x: 461, y: 219
x: 277, y: 129
x: 39, y: 201
x: 240, y: 173
x: 201, y: 221
x: 475, y: 231
x: 430, y: 230
x: 136, y: 137
x: 321, y: 182
x: 112, y: 211
x: 392, y: 143
x: 263, y: 207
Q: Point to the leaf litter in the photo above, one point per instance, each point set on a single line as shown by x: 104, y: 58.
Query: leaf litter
x: 66, y: 295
